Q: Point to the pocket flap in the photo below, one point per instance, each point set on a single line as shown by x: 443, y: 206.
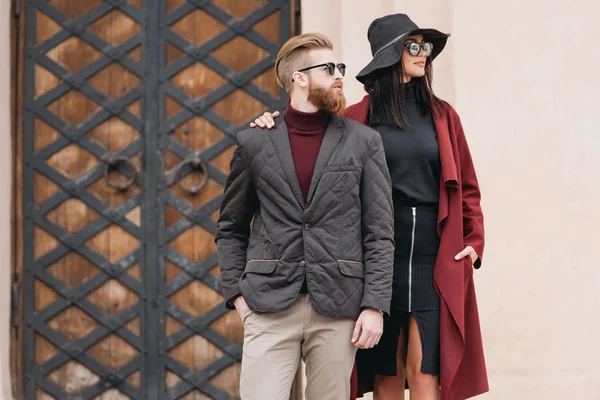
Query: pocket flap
x: 261, y: 266
x: 354, y: 269
x: 342, y: 168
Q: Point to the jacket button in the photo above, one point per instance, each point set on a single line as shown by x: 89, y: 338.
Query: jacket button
x: 302, y: 263
x: 307, y: 227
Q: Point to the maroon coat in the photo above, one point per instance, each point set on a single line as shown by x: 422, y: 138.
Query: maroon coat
x: 460, y: 224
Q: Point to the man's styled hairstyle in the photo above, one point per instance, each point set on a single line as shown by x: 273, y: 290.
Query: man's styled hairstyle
x: 292, y: 56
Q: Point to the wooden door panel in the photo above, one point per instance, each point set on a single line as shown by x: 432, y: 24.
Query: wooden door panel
x: 83, y: 288
x: 121, y: 292
x: 215, y: 81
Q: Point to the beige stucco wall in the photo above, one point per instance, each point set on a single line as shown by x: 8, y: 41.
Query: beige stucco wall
x: 5, y: 200
x: 524, y: 76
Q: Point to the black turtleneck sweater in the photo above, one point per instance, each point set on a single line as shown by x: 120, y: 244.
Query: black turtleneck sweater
x: 413, y: 156
x: 306, y: 132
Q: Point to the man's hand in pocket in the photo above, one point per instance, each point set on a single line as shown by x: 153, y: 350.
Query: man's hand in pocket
x: 240, y: 306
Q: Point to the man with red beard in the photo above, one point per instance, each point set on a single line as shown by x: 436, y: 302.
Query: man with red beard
x: 311, y: 276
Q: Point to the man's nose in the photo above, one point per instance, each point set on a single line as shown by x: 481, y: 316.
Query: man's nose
x: 337, y: 75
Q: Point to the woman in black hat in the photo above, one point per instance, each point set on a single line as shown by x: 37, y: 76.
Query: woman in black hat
x: 438, y: 223
x: 401, y: 107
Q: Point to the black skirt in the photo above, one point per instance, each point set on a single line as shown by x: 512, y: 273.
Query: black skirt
x: 417, y: 245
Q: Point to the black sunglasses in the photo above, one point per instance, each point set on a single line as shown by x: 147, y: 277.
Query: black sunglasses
x: 330, y: 68
x: 414, y: 48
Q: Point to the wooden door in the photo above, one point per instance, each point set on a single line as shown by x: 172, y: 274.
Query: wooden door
x: 130, y: 111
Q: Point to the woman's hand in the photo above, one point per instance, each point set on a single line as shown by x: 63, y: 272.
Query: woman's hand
x: 266, y: 120
x: 468, y: 251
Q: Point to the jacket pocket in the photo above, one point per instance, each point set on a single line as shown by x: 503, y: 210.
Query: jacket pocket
x: 352, y: 269
x: 342, y: 168
x: 264, y: 267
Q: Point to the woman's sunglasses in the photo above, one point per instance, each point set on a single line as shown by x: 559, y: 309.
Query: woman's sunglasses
x: 414, y: 48
x: 330, y: 68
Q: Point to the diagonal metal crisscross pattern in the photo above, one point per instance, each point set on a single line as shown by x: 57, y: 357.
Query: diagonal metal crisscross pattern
x: 37, y: 323
x: 200, y: 216
x: 152, y: 347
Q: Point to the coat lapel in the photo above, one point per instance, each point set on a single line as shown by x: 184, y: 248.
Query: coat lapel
x: 333, y: 134
x: 449, y: 176
x: 281, y: 141
x: 449, y: 171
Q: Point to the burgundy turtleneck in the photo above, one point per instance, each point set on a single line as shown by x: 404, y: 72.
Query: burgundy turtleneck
x: 306, y: 132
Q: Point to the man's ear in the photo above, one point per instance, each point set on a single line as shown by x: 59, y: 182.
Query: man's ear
x: 300, y: 79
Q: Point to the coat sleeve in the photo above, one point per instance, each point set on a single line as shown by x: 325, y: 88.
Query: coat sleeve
x: 377, y: 228
x: 473, y: 230
x: 233, y: 227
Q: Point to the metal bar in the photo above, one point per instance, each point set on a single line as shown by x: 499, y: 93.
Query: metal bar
x: 16, y: 294
x: 152, y: 383
x: 15, y: 207
x: 29, y: 386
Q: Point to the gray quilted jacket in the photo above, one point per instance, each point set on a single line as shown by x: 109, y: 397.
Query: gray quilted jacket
x: 341, y: 239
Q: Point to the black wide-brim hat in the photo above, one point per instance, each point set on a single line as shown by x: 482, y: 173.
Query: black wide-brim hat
x: 387, y: 36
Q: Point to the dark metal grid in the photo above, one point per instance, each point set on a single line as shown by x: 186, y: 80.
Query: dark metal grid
x: 152, y: 360
x: 201, y: 216
x: 36, y: 322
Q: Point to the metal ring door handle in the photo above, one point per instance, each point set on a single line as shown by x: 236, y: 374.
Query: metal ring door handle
x: 113, y: 163
x: 197, y: 165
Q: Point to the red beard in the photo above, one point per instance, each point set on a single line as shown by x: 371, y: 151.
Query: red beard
x: 327, y: 100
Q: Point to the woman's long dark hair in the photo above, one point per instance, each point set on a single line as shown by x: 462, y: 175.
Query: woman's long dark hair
x: 388, y: 106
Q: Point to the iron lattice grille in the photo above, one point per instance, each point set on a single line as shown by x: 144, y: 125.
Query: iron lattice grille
x: 144, y: 373
x: 229, y: 83
x: 73, y: 135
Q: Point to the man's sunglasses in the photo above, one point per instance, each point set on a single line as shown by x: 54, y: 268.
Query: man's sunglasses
x: 414, y: 48
x: 330, y: 68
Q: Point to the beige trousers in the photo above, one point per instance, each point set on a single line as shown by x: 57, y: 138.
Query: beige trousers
x: 274, y: 343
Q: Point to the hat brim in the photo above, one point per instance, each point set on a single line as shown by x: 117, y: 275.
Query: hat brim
x: 392, y: 54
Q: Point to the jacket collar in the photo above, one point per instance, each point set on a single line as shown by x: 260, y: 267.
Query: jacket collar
x: 281, y: 142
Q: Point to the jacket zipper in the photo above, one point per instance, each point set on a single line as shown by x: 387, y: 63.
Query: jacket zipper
x: 412, y: 247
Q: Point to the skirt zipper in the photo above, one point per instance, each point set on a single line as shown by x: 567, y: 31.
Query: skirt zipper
x: 412, y: 247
